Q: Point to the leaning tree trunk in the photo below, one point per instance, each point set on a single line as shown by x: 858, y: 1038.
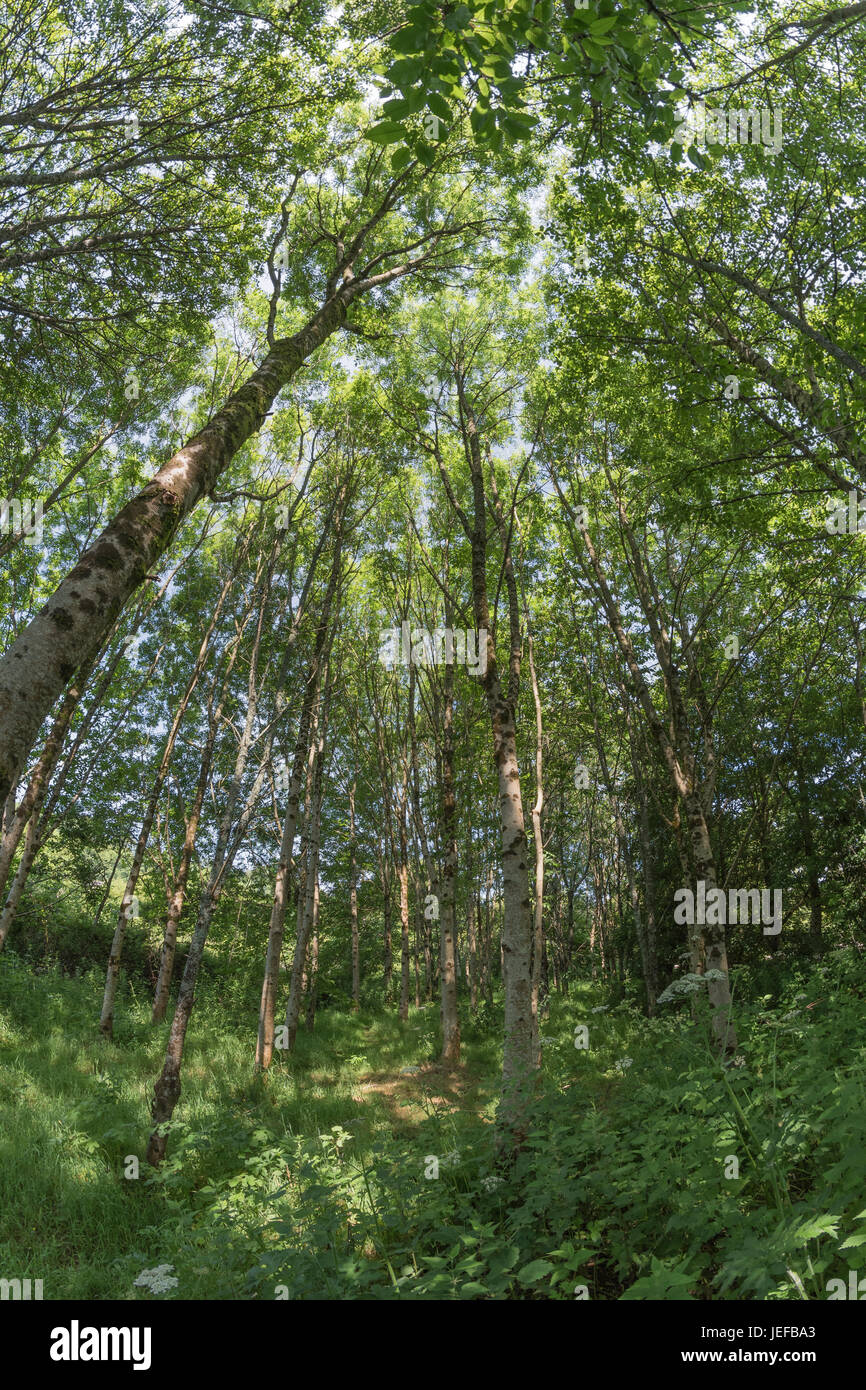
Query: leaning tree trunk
x: 28, y: 813
x: 705, y: 941
x: 178, y: 896
x: 31, y: 802
x: 74, y: 623
x: 40, y: 830
x: 166, y: 1092
x: 13, y: 898
x: 167, y: 1088
x: 112, y: 978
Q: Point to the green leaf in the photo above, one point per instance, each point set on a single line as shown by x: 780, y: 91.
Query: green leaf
x: 398, y: 107
x: 459, y: 18
x: 601, y: 26
x: 439, y: 106
x: 386, y: 133
x: 407, y: 40
x: 535, y: 1270
x: 405, y: 71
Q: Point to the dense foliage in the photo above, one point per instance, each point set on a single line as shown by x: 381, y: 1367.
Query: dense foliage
x: 432, y: 502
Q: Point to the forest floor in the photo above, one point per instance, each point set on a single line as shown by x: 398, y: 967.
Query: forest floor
x: 361, y: 1168
x: 410, y: 1094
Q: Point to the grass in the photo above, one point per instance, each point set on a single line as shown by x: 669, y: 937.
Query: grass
x: 74, y: 1110
x: 317, y: 1181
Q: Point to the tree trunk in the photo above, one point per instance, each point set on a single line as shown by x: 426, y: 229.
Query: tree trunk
x: 167, y: 1087
x: 31, y: 802
x: 106, y: 1021
x: 650, y: 945
x: 323, y: 637
x: 293, y: 1008
x: 72, y: 626
x: 403, y: 875
x: 518, y: 1063
x: 448, y: 912
x: 353, y: 903
x: 676, y: 750
x: 313, y: 975
x: 169, y: 941
x: 538, y: 841
x: 387, y: 956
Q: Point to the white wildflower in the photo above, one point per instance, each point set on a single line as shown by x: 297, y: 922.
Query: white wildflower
x: 158, y: 1280
x: 688, y: 984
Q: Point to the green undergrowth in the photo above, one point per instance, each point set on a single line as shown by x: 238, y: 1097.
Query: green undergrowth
x: 361, y: 1169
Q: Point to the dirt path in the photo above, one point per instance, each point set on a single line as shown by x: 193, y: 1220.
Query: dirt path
x: 411, y: 1095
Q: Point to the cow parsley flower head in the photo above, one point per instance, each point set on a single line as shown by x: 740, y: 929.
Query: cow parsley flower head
x: 490, y: 1182
x: 158, y: 1280
x: 688, y: 984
